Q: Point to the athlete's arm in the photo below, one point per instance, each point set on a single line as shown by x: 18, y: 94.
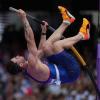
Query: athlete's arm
x: 29, y: 35
x: 43, y: 34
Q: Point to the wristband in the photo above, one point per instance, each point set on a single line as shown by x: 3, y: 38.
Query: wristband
x: 43, y: 33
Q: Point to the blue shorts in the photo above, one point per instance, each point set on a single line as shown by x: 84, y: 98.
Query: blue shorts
x: 67, y: 65
x: 66, y: 76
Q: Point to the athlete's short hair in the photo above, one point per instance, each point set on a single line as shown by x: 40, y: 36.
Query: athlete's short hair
x: 13, y: 68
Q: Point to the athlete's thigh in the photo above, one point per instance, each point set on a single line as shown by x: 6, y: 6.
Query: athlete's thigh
x: 63, y: 44
x: 54, y: 37
x: 48, y: 48
x: 52, y: 48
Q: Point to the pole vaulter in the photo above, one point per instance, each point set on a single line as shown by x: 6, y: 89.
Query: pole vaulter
x: 78, y: 56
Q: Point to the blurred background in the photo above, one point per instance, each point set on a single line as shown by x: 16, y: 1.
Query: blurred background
x: 12, y: 43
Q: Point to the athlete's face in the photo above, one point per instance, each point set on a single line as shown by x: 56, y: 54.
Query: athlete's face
x: 19, y: 60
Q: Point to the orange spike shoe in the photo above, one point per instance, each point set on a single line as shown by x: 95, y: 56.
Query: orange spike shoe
x: 85, y: 29
x: 67, y: 17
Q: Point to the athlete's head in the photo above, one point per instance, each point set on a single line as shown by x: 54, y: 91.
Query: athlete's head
x: 13, y: 68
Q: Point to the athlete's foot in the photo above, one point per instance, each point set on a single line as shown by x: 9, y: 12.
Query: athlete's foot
x: 85, y: 29
x: 67, y: 17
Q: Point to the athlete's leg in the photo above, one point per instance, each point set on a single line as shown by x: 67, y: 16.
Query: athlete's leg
x: 69, y: 42
x: 67, y: 20
x: 58, y: 46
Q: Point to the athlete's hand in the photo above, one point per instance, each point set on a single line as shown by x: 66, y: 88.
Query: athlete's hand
x: 22, y: 13
x: 20, y: 61
x: 44, y: 27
